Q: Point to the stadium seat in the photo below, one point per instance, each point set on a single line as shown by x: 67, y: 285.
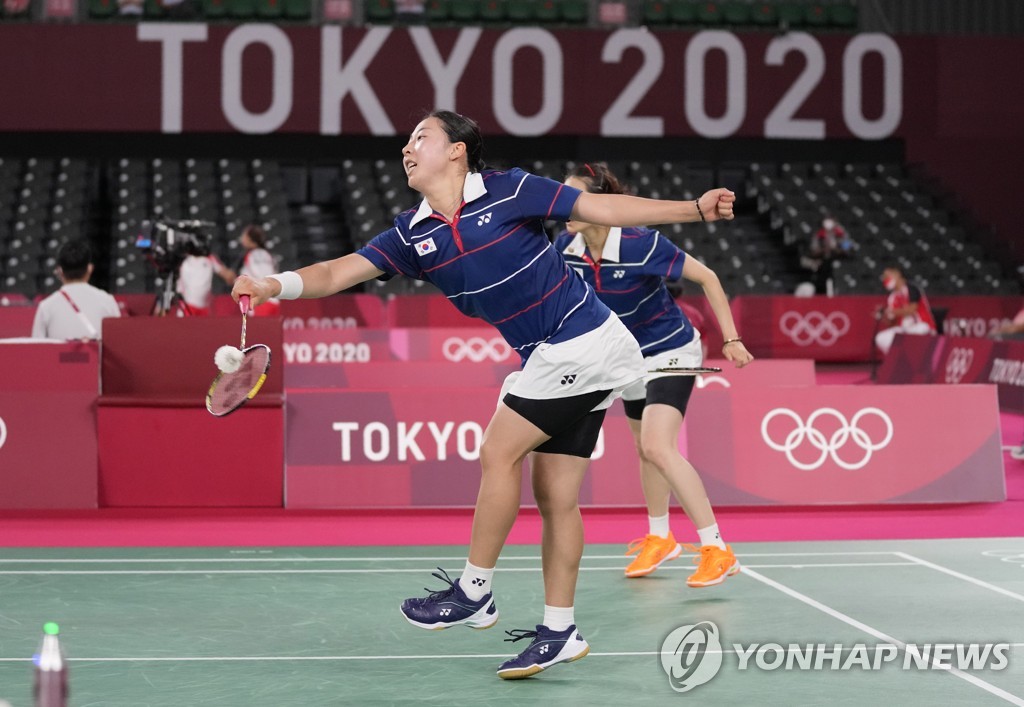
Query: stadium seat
x: 521, y: 10
x: 298, y: 9
x: 380, y: 11
x: 843, y: 15
x: 242, y: 9
x: 466, y: 10
x: 102, y: 8
x: 682, y: 12
x: 575, y: 11
x: 816, y: 15
x: 269, y: 9
x: 547, y: 10
x: 655, y: 12
x: 737, y: 14
x: 709, y: 13
x: 791, y: 15
x: 436, y: 10
x: 764, y: 14
x: 492, y: 10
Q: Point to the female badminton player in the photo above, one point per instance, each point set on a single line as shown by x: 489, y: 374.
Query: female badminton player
x: 478, y: 236
x: 628, y: 268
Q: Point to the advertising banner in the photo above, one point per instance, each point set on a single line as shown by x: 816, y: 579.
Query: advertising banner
x: 848, y: 444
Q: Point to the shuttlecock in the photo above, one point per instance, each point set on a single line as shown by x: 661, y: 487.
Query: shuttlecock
x: 228, y: 359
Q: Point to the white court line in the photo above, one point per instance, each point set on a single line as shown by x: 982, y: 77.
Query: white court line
x: 392, y: 570
x: 299, y: 658
x: 460, y: 558
x: 961, y: 575
x: 974, y: 680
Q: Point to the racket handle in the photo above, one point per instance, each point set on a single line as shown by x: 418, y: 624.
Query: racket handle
x: 243, y: 304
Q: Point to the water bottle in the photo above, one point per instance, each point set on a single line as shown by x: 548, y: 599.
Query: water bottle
x: 51, y: 670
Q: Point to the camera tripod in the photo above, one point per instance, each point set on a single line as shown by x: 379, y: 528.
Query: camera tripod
x: 170, y: 300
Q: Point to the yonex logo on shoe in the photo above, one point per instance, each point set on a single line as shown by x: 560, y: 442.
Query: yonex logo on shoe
x: 569, y: 379
x: 486, y: 218
x: 544, y: 649
x: 691, y: 655
x: 445, y: 612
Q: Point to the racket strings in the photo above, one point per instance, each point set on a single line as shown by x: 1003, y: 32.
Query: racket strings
x: 230, y: 390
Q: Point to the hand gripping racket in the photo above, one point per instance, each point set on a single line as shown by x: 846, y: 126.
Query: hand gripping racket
x: 231, y: 390
x: 696, y: 371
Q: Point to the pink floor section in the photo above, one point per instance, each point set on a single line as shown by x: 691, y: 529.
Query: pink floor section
x: 276, y: 527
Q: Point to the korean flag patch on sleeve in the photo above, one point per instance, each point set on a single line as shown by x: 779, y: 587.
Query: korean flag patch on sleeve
x: 426, y: 246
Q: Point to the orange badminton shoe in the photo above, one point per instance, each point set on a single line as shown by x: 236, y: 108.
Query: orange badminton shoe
x: 713, y: 565
x: 651, y: 552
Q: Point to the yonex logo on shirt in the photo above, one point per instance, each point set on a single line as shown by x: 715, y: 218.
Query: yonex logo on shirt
x: 619, y: 274
x: 486, y: 218
x: 569, y: 379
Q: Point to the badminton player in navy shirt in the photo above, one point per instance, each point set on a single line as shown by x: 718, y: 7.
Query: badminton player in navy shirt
x: 478, y: 235
x: 628, y: 269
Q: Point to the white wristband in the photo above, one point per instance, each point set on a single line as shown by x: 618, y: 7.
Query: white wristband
x: 291, y: 284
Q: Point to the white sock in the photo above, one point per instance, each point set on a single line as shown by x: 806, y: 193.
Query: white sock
x: 658, y: 525
x: 711, y: 536
x: 558, y: 618
x: 476, y: 581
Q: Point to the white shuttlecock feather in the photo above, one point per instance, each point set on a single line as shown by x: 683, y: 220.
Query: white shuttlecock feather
x: 228, y: 359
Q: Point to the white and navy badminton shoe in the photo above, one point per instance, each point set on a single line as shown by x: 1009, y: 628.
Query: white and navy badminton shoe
x: 547, y: 648
x: 450, y: 607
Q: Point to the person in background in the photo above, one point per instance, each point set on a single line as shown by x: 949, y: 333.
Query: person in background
x: 77, y: 309
x: 195, y: 285
x: 628, y: 269
x: 828, y: 244
x: 906, y: 309
x: 256, y: 262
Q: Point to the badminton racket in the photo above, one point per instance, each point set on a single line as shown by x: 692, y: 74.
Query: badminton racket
x: 243, y: 372
x: 695, y: 371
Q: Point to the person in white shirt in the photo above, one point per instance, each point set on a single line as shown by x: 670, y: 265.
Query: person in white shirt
x: 256, y: 263
x: 195, y: 284
x: 77, y: 309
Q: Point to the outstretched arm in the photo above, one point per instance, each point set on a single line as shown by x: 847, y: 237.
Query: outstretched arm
x: 318, y: 280
x: 623, y: 210
x: 698, y: 272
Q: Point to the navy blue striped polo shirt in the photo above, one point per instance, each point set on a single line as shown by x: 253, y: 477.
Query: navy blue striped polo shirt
x: 494, y: 261
x: 630, y: 279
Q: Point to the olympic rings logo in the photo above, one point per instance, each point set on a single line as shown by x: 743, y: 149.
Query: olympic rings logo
x: 814, y: 327
x: 476, y: 349
x: 958, y: 364
x: 832, y: 445
x: 3, y: 432
x: 1013, y: 557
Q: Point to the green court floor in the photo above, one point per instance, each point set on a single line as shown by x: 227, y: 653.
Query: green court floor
x: 320, y: 626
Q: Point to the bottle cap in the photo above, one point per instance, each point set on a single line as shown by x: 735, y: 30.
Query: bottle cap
x: 51, y: 629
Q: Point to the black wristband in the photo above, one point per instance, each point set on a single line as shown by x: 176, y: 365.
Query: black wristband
x: 696, y: 202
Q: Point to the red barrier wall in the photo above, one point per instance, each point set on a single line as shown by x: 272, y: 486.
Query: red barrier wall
x: 158, y: 444
x: 956, y: 361
x: 48, y: 425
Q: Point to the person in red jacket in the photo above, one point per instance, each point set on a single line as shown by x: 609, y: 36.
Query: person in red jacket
x: 906, y: 309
